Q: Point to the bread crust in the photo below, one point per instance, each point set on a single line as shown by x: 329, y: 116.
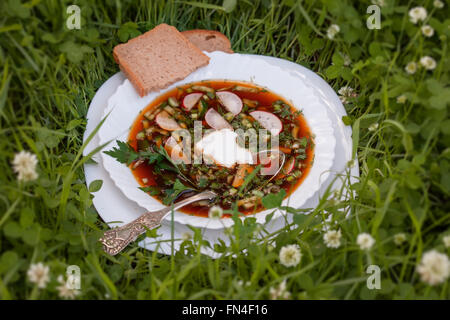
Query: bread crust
x: 205, y: 33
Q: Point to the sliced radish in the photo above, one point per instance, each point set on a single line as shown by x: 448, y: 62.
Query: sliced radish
x: 270, y: 164
x: 289, y: 165
x: 230, y: 101
x: 175, y: 151
x: 287, y: 168
x: 216, y: 121
x: 269, y: 121
x: 170, y: 143
x: 190, y: 100
x: 166, y: 122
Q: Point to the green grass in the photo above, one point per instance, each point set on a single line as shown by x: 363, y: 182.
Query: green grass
x: 49, y: 75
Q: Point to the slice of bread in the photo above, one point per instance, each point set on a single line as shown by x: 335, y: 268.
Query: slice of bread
x: 158, y: 58
x: 209, y: 40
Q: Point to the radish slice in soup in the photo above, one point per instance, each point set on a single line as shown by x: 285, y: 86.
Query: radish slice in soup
x: 287, y: 168
x: 174, y: 150
x: 269, y: 121
x: 270, y: 163
x: 190, y: 100
x: 216, y: 121
x: 165, y: 121
x: 230, y: 101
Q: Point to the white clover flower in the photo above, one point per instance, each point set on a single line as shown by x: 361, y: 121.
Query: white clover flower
x: 347, y: 60
x: 411, y: 67
x: 38, y: 273
x: 24, y: 164
x: 399, y: 238
x: 280, y: 292
x: 365, y: 241
x: 215, y: 212
x: 185, y: 236
x: 290, y: 255
x: 380, y: 3
x: 242, y: 283
x: 427, y: 31
x: 401, y: 99
x: 373, y: 126
x: 434, y: 268
x: 428, y: 62
x: 64, y: 289
x: 332, y: 31
x: 346, y: 92
x: 417, y: 14
x: 438, y: 4
x: 332, y: 238
x: 446, y: 241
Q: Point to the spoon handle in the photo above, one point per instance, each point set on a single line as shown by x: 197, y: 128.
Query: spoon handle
x: 115, y: 240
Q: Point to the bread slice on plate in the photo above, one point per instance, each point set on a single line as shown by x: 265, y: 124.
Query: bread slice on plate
x: 208, y: 40
x: 158, y: 58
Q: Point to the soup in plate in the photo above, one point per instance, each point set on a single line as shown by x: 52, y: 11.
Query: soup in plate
x: 207, y: 135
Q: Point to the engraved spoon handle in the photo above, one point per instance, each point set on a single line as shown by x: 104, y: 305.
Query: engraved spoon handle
x: 115, y: 240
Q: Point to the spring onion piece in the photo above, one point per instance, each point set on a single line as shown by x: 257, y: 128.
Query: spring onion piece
x: 140, y: 135
x: 203, y: 89
x: 173, y: 102
x: 245, y: 89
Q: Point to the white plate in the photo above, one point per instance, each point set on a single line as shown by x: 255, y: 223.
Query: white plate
x: 125, y: 105
x: 115, y: 209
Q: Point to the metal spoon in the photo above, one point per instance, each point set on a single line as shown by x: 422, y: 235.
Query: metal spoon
x: 115, y: 240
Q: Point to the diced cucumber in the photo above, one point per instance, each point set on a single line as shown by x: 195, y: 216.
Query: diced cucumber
x: 173, y: 102
x: 140, y: 135
x: 228, y: 116
x: 143, y: 145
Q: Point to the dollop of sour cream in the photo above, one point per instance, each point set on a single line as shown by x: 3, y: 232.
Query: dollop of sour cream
x: 221, y: 147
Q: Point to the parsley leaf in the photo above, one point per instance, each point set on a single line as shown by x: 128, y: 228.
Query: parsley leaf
x: 175, y: 167
x: 273, y: 200
x: 172, y: 194
x: 151, y: 157
x: 152, y: 190
x: 124, y: 153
